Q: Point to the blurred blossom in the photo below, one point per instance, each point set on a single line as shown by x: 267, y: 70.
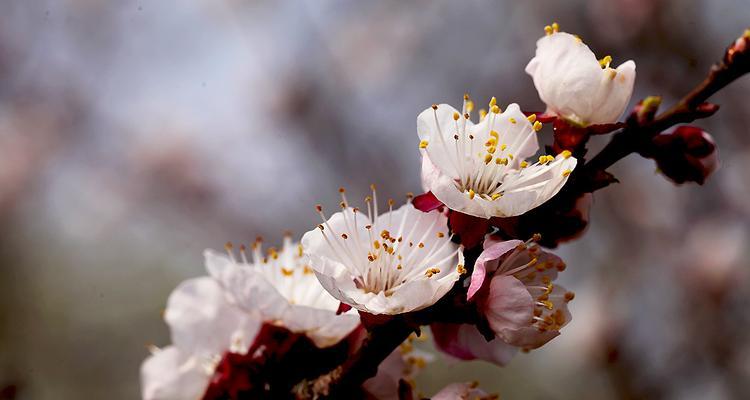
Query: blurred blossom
x: 619, y: 20
x: 713, y: 256
x: 736, y: 181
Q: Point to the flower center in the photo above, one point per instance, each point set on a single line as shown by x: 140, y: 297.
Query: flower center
x: 384, y: 252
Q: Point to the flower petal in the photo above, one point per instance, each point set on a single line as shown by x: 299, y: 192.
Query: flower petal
x: 459, y: 391
x: 488, y: 261
x: 169, y: 375
x: 464, y: 342
x: 509, y: 306
x: 201, y: 320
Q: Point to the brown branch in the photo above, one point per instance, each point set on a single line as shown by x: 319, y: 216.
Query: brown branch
x: 637, y: 132
x: 346, y: 380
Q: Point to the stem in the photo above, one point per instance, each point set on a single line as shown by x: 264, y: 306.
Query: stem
x: 688, y: 109
x: 381, y: 342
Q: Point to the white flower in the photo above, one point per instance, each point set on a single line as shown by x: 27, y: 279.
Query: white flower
x: 574, y: 84
x: 203, y: 327
x: 393, y: 263
x: 283, y: 290
x: 211, y: 316
x: 481, y: 169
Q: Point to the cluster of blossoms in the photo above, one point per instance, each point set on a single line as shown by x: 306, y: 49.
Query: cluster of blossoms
x: 334, y: 315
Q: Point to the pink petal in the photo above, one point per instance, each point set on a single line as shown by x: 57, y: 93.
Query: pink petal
x: 459, y: 391
x: 446, y: 338
x: 466, y: 343
x: 509, y: 305
x: 426, y: 202
x: 492, y: 252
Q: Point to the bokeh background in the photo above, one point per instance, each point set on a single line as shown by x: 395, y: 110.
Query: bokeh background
x: 134, y: 134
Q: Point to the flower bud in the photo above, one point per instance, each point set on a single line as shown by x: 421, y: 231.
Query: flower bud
x: 686, y: 154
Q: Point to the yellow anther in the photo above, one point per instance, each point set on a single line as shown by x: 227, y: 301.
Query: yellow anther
x: 524, y: 164
x: 423, y: 144
x: 512, y: 120
x: 496, y: 109
x: 531, y: 118
x: 471, y: 194
x: 537, y: 126
x: 376, y: 244
x: 605, y: 61
x: 510, y: 156
x: 287, y: 272
x: 548, y: 304
x: 456, y: 116
x: 496, y: 196
x: 493, y: 101
x: 492, y: 141
x: 466, y: 96
x: 432, y: 271
x: 567, y: 172
x: 482, y: 114
x: 440, y: 234
x: 746, y: 35
x: 494, y: 134
x: 469, y: 106
x: 491, y: 150
x: 503, y: 161
x: 503, y: 146
x: 566, y: 153
x: 548, y: 30
x: 542, y: 159
x: 555, y: 27
x: 578, y: 39
x: 487, y: 158
x: 460, y: 269
x: 307, y: 270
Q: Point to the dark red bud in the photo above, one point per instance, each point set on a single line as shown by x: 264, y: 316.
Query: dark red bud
x: 686, y: 154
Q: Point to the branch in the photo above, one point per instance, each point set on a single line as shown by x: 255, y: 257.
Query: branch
x: 346, y: 380
x: 736, y: 62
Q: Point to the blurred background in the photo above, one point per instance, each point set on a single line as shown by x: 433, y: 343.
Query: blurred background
x: 134, y: 134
